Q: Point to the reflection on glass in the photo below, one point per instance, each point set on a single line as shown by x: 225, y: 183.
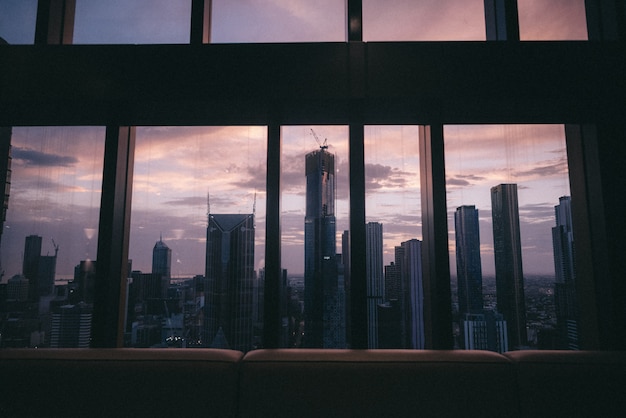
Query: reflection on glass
x: 52, y: 201
x: 504, y: 186
x: 405, y: 20
x: 17, y: 21
x: 314, y: 226
x: 552, y: 20
x: 132, y: 22
x: 197, y: 237
x: 393, y: 233
x: 278, y: 21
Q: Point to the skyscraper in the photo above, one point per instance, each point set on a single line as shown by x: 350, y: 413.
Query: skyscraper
x: 508, y: 259
x: 374, y: 278
x: 30, y: 264
x: 324, y: 308
x: 229, y: 276
x: 162, y: 259
x: 404, y: 294
x: 413, y: 290
x: 468, y: 269
x: 564, y: 288
x: 71, y: 326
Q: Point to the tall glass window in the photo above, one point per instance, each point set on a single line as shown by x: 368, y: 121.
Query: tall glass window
x: 315, y: 234
x: 49, y: 238
x: 197, y: 240
x: 17, y: 21
x: 278, y: 21
x: 394, y: 237
x: 552, y: 20
x: 132, y: 22
x: 511, y: 240
x: 433, y: 20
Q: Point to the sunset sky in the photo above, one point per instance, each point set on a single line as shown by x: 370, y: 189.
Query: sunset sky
x: 57, y: 171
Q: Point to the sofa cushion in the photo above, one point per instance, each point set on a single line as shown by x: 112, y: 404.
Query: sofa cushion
x: 376, y: 383
x: 118, y: 382
x: 571, y: 383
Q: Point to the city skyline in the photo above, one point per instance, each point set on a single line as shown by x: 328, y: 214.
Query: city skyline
x: 56, y: 181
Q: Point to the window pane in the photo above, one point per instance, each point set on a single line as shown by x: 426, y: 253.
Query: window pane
x: 431, y: 20
x: 17, y: 21
x: 132, y: 22
x: 194, y: 280
x: 510, y: 224
x: 393, y: 233
x: 314, y: 227
x: 552, y: 20
x: 278, y: 21
x: 50, y: 231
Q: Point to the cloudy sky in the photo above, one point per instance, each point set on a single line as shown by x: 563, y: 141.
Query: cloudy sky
x: 167, y: 21
x: 57, y: 171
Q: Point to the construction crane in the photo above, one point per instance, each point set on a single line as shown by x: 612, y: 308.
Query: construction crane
x: 322, y: 145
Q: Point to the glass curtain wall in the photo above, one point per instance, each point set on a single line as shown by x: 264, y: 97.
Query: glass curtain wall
x: 197, y: 239
x: 510, y: 237
x: 394, y: 237
x: 49, y: 237
x: 315, y: 235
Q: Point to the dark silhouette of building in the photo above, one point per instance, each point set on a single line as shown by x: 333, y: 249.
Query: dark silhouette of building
x: 71, y: 326
x: 229, y: 281
x: 162, y: 259
x: 30, y: 264
x: 566, y: 305
x: 508, y: 257
x: 375, y: 280
x: 324, y: 300
x: 468, y: 268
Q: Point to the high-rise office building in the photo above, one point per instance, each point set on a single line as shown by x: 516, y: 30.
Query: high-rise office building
x: 229, y: 276
x: 374, y: 278
x: 345, y: 256
x: 84, y: 282
x: 411, y: 271
x: 71, y: 326
x: 324, y: 308
x: 484, y: 331
x: 508, y: 259
x: 30, y: 264
x: 565, y: 284
x: 162, y: 259
x: 47, y: 273
x: 404, y: 293
x: 468, y: 269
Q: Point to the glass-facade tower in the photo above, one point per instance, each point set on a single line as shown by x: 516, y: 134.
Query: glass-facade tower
x: 468, y: 269
x: 229, y: 280
x: 565, y: 272
x: 324, y: 296
x: 508, y: 259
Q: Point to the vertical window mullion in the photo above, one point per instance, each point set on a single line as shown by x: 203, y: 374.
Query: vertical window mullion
x: 358, y: 284
x: 355, y: 20
x: 201, y: 22
x: 588, y: 221
x: 273, y: 270
x: 435, y: 259
x: 114, y: 229
x: 501, y: 20
x: 55, y: 22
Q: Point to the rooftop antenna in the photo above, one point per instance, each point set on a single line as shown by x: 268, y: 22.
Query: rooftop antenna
x: 254, y: 204
x: 322, y: 145
x: 208, y: 206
